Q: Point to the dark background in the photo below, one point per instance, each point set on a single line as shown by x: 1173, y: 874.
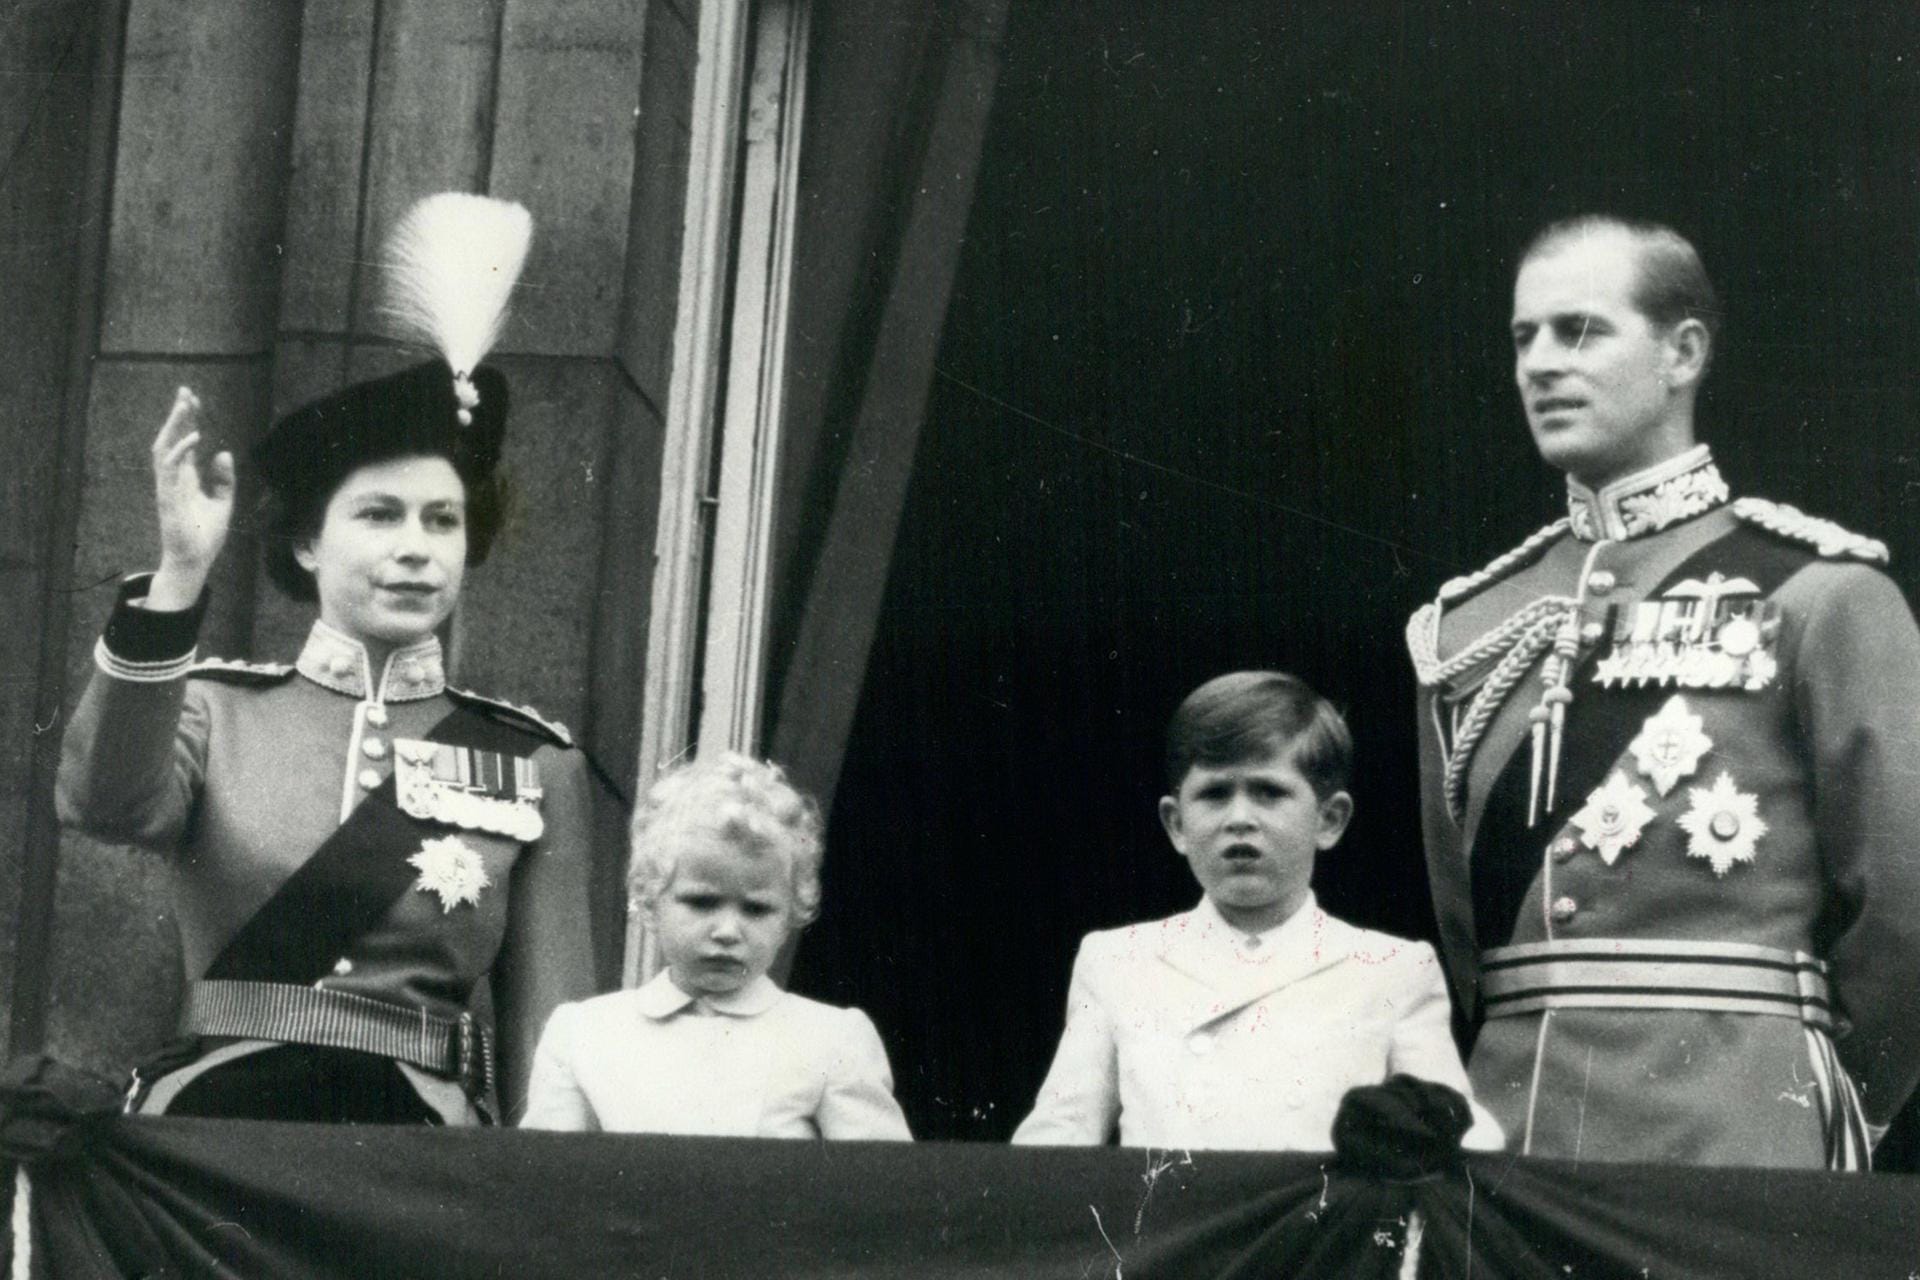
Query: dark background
x: 1226, y: 383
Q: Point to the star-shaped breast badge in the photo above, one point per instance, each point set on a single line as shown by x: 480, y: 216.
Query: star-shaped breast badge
x: 1613, y: 817
x: 450, y: 867
x: 1670, y: 744
x: 1723, y: 825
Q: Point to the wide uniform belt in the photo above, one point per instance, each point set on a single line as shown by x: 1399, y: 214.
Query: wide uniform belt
x: 459, y: 1048
x: 1620, y: 973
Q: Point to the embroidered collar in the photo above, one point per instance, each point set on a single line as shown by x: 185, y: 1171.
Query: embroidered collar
x: 661, y: 998
x: 1647, y: 501
x: 338, y: 662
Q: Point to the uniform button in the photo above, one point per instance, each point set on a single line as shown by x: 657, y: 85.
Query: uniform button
x: 1200, y: 1044
x: 1564, y: 909
x: 1725, y: 826
x: 1563, y: 848
x: 377, y: 716
x: 373, y: 748
x: 342, y: 967
x: 342, y: 666
x: 1599, y: 582
x: 1592, y: 631
x: 369, y: 778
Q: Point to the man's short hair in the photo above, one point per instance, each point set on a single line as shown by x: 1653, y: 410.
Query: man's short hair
x: 1245, y: 715
x: 1673, y: 284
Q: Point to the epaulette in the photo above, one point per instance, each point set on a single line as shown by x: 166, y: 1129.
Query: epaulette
x: 513, y: 713
x: 1455, y: 589
x: 236, y: 671
x: 1824, y: 536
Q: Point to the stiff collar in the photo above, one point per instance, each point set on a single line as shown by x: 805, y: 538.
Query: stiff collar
x: 1648, y: 501
x: 661, y: 998
x: 1268, y: 942
x: 336, y: 661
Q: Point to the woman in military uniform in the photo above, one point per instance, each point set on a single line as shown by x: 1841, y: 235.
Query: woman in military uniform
x: 356, y: 844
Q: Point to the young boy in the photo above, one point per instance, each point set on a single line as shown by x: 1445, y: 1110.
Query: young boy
x: 1241, y: 1023
x: 726, y: 864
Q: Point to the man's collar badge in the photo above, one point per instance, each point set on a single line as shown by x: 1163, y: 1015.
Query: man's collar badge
x: 1647, y: 501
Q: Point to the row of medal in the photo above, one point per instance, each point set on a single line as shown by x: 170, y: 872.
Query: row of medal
x: 1712, y: 634
x: 459, y: 786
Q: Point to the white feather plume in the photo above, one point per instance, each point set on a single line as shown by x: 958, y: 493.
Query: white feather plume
x: 451, y: 264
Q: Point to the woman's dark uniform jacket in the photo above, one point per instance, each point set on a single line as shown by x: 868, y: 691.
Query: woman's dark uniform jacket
x: 238, y: 773
x: 1746, y: 693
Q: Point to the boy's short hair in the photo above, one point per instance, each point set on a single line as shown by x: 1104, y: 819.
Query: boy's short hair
x: 746, y: 802
x: 1247, y: 714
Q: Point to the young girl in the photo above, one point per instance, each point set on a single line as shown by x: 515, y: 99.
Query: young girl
x: 726, y: 865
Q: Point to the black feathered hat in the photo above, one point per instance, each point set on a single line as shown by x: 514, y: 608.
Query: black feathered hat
x: 414, y: 411
x: 450, y: 268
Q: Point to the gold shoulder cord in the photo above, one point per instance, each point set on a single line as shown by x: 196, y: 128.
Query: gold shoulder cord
x: 1512, y: 646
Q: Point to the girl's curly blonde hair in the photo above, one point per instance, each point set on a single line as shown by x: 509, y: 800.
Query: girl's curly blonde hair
x: 746, y: 802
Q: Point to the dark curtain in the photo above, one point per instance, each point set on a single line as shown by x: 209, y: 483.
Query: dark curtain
x: 897, y: 104
x: 186, y: 1199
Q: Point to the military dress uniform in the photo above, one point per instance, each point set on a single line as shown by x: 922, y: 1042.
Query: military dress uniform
x: 1671, y: 797
x: 353, y: 851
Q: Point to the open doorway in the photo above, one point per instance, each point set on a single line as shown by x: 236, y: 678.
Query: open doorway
x: 1225, y: 382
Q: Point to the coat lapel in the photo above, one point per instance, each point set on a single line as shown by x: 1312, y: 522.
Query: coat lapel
x: 1224, y: 978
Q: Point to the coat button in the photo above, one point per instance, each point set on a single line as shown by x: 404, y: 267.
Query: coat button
x: 1592, y: 631
x: 373, y: 748
x: 341, y: 666
x: 1564, y: 848
x: 369, y: 778
x: 1200, y: 1044
x: 1600, y: 581
x: 342, y: 967
x: 1563, y: 910
x: 377, y: 716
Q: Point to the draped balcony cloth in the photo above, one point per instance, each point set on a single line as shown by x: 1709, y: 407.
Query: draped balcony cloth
x: 158, y: 1197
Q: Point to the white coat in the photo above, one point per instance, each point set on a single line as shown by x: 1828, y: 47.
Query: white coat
x: 759, y: 1063
x: 1181, y: 1033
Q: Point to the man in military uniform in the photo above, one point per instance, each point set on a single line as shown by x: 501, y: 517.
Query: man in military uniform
x: 1670, y: 769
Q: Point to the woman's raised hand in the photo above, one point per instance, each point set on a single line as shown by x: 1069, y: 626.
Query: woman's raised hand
x: 194, y: 509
